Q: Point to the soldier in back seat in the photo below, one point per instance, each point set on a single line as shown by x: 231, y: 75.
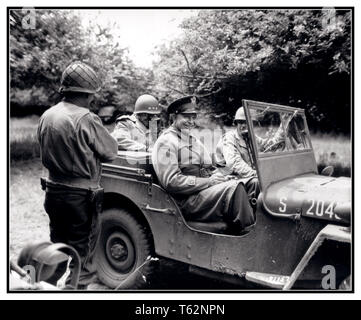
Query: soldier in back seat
x: 184, y: 168
x: 138, y: 131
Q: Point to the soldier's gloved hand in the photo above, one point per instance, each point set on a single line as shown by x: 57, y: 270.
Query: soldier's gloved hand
x: 216, y: 179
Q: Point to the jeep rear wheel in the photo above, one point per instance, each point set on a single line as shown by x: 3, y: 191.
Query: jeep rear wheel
x: 122, y: 251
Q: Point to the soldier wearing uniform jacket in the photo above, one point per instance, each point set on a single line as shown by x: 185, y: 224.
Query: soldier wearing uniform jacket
x: 184, y: 168
x: 233, y: 153
x: 138, y: 131
x: 73, y: 144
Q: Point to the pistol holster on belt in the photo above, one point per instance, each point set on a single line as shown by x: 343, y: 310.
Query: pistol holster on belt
x: 95, y: 195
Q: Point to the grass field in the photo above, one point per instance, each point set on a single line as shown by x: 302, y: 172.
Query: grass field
x: 329, y: 149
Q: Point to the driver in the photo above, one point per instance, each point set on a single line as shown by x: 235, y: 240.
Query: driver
x: 184, y: 168
x: 233, y: 152
x: 233, y: 155
x: 136, y: 132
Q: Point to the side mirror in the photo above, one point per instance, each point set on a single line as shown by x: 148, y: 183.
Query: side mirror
x: 327, y: 171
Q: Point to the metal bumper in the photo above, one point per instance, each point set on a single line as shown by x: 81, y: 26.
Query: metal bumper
x: 330, y: 232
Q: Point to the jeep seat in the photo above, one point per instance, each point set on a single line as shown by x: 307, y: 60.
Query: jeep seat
x: 214, y: 227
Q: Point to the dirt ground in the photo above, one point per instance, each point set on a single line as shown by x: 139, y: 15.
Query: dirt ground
x: 27, y: 218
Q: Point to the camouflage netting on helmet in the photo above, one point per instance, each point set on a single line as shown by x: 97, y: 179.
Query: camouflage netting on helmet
x: 79, y: 77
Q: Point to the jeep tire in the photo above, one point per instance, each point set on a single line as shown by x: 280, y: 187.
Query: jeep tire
x: 122, y: 251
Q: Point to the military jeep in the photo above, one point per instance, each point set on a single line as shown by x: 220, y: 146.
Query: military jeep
x: 301, y: 239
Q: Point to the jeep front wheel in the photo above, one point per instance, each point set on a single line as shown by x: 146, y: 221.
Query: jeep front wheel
x: 122, y: 251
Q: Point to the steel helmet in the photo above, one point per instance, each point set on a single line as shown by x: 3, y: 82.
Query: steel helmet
x: 79, y: 77
x: 147, y: 104
x: 240, y: 115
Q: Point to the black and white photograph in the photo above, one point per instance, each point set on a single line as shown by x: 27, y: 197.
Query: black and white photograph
x: 180, y: 149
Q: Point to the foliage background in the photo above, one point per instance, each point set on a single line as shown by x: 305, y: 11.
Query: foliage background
x: 38, y: 57
x: 300, y: 58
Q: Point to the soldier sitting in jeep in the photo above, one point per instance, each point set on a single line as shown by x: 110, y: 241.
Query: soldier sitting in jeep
x: 183, y: 167
x: 136, y: 132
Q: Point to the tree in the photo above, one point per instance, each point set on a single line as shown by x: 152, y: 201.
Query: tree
x: 38, y: 56
x: 295, y: 57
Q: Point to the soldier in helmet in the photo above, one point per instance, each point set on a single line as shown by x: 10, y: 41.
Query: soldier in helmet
x: 136, y: 132
x: 73, y: 144
x: 184, y: 168
x: 233, y: 153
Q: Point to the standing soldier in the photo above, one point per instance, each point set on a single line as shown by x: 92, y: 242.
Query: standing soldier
x: 73, y: 143
x: 184, y: 168
x: 136, y: 132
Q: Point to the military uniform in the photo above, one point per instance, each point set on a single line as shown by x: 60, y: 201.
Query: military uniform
x: 183, y: 167
x: 232, y: 152
x: 131, y: 134
x: 233, y: 157
x: 73, y: 144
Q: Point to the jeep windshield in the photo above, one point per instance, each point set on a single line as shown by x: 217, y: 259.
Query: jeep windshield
x: 277, y: 131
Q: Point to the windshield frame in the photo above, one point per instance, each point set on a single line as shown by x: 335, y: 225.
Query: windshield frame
x: 256, y: 105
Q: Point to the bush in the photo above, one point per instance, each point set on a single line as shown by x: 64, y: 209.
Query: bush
x: 333, y: 151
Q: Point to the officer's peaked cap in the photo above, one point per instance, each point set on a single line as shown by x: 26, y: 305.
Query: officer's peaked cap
x: 184, y: 105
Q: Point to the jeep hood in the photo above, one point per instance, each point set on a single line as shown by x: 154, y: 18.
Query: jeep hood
x: 313, y: 196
